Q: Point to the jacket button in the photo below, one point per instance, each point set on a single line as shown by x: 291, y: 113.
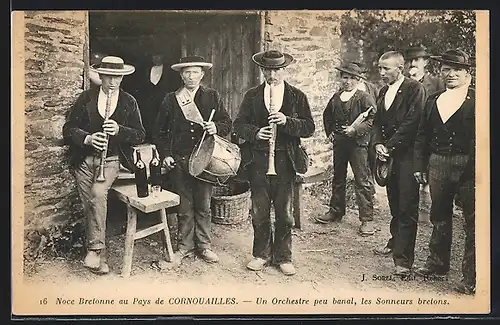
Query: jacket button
x: 192, y: 138
x: 191, y: 123
x: 192, y: 130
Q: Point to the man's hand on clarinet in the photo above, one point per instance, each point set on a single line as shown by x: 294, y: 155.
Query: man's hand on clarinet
x: 111, y: 127
x: 210, y: 128
x: 277, y: 117
x: 98, y: 140
x: 169, y: 163
x: 420, y: 177
x: 265, y: 133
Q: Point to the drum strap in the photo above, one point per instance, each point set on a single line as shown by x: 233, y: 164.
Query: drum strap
x: 188, y: 106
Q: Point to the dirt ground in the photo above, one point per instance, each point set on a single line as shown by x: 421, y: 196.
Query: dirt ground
x: 332, y: 254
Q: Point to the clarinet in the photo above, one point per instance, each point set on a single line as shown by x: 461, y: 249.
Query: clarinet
x: 101, y: 177
x: 271, y: 170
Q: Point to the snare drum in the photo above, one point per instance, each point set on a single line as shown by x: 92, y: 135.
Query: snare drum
x: 217, y: 160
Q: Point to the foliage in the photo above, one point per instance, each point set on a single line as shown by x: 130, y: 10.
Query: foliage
x: 56, y: 240
x: 369, y: 33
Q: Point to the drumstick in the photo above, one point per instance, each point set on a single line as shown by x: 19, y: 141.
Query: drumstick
x: 205, y: 132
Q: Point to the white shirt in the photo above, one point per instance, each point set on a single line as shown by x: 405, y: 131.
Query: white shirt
x: 192, y: 93
x: 392, y: 92
x: 451, y: 100
x: 101, y: 102
x: 278, y: 93
x: 346, y: 95
x: 155, y: 74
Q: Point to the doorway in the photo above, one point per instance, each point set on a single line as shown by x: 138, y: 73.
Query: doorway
x: 227, y: 39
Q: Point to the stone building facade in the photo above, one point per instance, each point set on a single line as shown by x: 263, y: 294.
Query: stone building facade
x: 56, y: 60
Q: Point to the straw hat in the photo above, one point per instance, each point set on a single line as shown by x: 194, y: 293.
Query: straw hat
x: 113, y: 66
x: 191, y: 61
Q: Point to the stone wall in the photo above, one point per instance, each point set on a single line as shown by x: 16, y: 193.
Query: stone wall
x: 55, y: 51
x: 313, y: 39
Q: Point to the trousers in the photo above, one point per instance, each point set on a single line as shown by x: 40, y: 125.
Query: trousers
x: 444, y: 183
x: 94, y: 197
x: 357, y: 157
x: 193, y: 213
x: 403, y: 196
x: 268, y: 243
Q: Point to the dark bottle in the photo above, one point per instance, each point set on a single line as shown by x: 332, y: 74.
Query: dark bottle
x: 141, y: 179
x: 155, y: 171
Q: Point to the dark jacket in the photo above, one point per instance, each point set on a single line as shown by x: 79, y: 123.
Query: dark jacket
x: 299, y: 123
x: 77, y: 127
x: 370, y: 88
x: 150, y: 96
x: 335, y: 116
x: 396, y: 127
x: 432, y: 84
x: 436, y: 137
x: 174, y: 135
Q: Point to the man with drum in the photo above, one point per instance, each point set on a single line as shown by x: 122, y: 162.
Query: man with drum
x: 183, y: 117
x: 273, y: 102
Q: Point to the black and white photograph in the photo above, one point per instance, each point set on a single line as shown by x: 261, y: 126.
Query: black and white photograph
x: 210, y: 162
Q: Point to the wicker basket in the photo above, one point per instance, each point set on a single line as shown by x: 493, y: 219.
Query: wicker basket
x: 231, y: 203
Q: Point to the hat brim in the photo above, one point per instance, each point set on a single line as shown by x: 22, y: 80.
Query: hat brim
x: 353, y: 73
x: 179, y: 66
x: 257, y: 59
x: 127, y: 69
x: 461, y: 64
x: 380, y: 176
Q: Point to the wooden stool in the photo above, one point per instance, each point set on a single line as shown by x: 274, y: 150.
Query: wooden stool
x: 126, y: 192
x: 312, y: 175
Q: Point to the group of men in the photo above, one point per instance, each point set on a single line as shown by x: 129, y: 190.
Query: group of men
x: 422, y: 130
x: 432, y: 144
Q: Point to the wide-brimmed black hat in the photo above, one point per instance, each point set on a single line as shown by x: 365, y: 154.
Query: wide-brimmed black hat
x: 416, y: 52
x: 191, y: 61
x: 272, y: 59
x: 382, y: 170
x: 351, y: 68
x: 455, y: 57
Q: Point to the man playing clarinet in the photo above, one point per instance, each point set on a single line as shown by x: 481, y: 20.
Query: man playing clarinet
x: 271, y: 172
x: 101, y: 128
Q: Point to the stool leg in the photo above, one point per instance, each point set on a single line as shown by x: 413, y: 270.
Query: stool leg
x: 129, y: 241
x: 166, y: 231
x: 297, y: 194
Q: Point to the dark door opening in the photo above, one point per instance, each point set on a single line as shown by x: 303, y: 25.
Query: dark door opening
x: 228, y: 40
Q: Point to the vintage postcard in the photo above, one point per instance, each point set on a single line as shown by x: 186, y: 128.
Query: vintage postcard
x: 250, y: 162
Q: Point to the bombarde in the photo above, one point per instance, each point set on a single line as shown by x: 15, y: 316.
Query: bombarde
x: 271, y: 170
x: 101, y: 177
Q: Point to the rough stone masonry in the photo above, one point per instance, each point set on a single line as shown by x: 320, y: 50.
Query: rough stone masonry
x: 313, y: 39
x: 54, y: 75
